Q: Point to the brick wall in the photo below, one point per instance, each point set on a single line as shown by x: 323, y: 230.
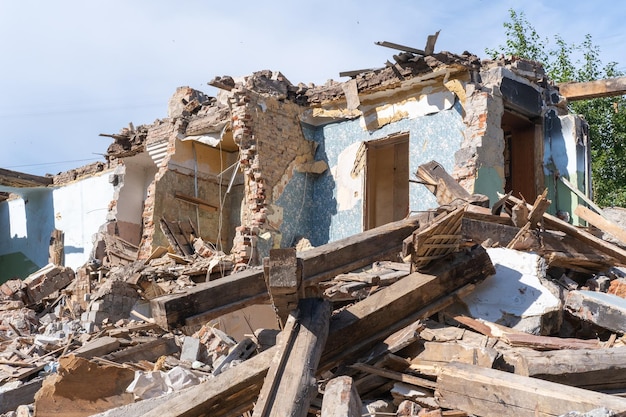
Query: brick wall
x: 268, y: 132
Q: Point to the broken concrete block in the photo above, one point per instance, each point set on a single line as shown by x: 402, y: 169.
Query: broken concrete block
x: 516, y: 296
x: 46, y: 281
x: 604, y: 310
x: 114, y: 301
x: 191, y: 349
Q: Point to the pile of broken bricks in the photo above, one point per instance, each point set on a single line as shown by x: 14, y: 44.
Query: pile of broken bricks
x: 460, y: 311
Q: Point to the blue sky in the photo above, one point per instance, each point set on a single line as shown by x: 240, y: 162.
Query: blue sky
x: 72, y: 69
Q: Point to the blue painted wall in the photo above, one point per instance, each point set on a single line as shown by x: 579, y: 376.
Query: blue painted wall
x: 310, y: 201
x: 33, y: 245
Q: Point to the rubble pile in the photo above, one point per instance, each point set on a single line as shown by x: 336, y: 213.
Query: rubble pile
x: 463, y: 310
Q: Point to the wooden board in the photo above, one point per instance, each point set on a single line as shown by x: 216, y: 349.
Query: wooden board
x: 289, y: 385
x: 492, y: 393
x: 437, y: 239
x: 379, y: 313
x: 601, y: 223
x: 596, y: 369
x: 211, y: 300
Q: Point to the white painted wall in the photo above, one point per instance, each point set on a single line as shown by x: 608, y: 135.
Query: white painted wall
x: 80, y: 208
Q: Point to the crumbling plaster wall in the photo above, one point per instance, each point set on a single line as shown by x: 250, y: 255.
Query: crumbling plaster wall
x: 131, y: 178
x: 26, y: 223
x: 78, y: 208
x: 479, y: 160
x: 432, y: 117
x: 273, y: 150
x: 191, y: 169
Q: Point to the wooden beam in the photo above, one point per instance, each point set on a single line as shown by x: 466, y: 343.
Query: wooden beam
x: 220, y: 396
x: 396, y: 376
x: 493, y: 393
x: 213, y: 299
x: 209, y: 300
x: 445, y: 187
x: 290, y: 383
x: 555, y: 223
x: 284, y: 281
x: 399, y: 47
x: 203, y: 204
x: 341, y: 398
x: 595, y: 369
x: 609, y: 87
x: 601, y: 223
x: 377, y: 316
x: 22, y: 180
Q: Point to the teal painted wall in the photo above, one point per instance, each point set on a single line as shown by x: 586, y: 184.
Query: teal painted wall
x: 311, y: 201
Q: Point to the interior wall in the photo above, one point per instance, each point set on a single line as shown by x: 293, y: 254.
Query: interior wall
x: 337, y: 207
x: 26, y: 224
x: 80, y: 208
x: 135, y: 176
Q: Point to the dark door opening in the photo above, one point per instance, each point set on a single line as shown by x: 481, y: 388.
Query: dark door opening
x: 522, y: 156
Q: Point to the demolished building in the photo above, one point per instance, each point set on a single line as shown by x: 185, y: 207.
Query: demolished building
x: 396, y: 168
x: 268, y: 163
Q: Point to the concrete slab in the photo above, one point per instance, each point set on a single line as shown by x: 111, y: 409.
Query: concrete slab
x: 515, y: 296
x: 602, y: 309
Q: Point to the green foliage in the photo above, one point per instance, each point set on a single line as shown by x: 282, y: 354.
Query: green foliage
x: 606, y: 116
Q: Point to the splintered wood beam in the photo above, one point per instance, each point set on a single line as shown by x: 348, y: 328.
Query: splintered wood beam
x: 399, y: 47
x: 492, y: 393
x: 210, y: 300
x: 596, y: 369
x: 553, y: 222
x: 377, y: 316
x: 19, y: 179
x: 284, y: 281
x: 290, y: 382
x: 609, y: 87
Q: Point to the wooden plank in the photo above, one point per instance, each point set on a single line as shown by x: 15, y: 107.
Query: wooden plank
x: 521, y: 339
x: 220, y: 296
x: 595, y: 369
x: 221, y: 395
x: 341, y: 398
x: 98, y: 347
x: 555, y: 223
x: 378, y: 314
x: 601, y: 223
x: 493, y: 393
x: 444, y: 186
x: 290, y: 382
x: 203, y: 204
x: 210, y: 300
x: 396, y: 376
x: 609, y: 87
x: 581, y: 195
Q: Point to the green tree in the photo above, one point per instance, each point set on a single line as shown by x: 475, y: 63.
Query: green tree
x: 606, y: 116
